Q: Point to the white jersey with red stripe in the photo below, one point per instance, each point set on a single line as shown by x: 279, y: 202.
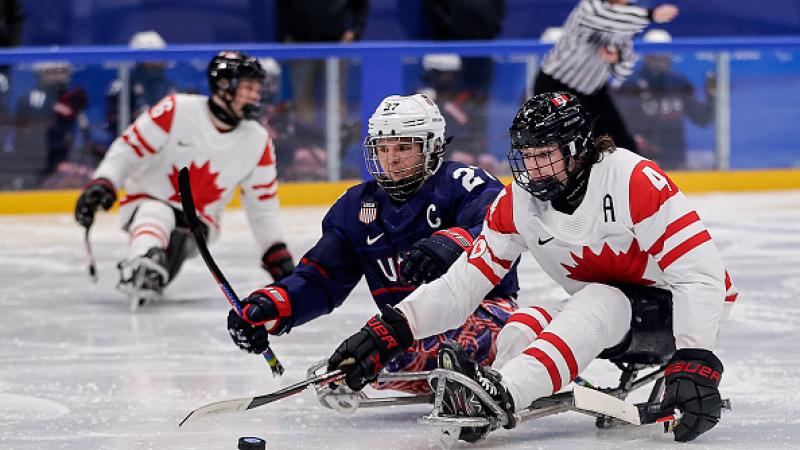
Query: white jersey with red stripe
x: 178, y: 132
x: 633, y: 226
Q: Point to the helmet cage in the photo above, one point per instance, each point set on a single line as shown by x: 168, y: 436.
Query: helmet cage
x: 224, y: 73
x: 567, y: 132
x: 408, y: 180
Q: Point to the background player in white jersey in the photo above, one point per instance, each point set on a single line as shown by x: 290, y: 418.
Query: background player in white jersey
x: 616, y: 233
x: 224, y: 148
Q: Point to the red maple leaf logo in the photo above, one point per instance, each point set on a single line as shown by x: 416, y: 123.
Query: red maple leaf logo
x: 204, y: 186
x: 609, y: 267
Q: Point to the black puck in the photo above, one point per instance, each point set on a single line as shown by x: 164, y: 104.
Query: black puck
x: 252, y: 443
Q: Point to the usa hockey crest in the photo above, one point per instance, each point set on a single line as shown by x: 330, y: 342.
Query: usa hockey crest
x: 368, y: 212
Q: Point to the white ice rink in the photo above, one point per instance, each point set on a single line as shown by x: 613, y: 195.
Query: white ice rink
x: 79, y: 371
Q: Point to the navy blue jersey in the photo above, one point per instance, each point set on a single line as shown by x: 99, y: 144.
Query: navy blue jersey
x: 365, y: 231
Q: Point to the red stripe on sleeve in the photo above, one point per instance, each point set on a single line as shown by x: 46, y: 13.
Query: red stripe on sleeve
x: 504, y: 263
x: 683, y: 248
x: 728, y: 283
x: 143, y: 141
x: 314, y: 264
x: 649, y: 188
x: 132, y: 145
x: 500, y: 216
x: 485, y: 270
x: 565, y: 351
x: 546, y: 315
x: 526, y: 320
x: 267, y: 196
x: 163, y: 113
x: 672, y: 229
x: 268, y: 157
x: 265, y: 185
x: 548, y: 364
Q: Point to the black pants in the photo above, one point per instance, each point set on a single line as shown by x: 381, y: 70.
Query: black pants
x: 599, y: 105
x: 650, y: 340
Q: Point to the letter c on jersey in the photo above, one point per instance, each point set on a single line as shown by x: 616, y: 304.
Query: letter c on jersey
x: 478, y: 248
x: 435, y: 224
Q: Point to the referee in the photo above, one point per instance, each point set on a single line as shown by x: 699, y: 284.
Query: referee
x: 597, y: 41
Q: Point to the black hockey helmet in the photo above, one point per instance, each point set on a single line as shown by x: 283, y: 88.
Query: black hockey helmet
x: 224, y: 72
x: 556, y: 120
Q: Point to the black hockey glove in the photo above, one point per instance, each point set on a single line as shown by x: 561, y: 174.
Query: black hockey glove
x: 99, y: 192
x: 692, y: 380
x: 384, y: 337
x: 429, y: 258
x: 262, y: 314
x: 278, y: 261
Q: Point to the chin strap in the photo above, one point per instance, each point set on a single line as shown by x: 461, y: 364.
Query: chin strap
x: 223, y: 114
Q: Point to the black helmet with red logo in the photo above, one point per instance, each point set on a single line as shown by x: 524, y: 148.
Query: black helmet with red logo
x: 557, y: 121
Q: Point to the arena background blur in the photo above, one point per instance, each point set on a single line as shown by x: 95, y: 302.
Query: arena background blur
x: 44, y: 147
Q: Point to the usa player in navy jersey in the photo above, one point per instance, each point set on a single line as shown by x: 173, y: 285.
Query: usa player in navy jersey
x: 402, y: 229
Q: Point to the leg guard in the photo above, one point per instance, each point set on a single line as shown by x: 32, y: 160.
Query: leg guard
x: 521, y: 330
x: 477, y: 337
x: 596, y: 317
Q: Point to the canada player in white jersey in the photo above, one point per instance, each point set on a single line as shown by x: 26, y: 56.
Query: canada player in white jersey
x: 618, y: 235
x: 224, y: 148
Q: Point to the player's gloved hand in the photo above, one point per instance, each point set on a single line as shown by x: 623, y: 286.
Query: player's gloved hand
x: 99, y: 192
x: 364, y: 354
x: 429, y: 258
x: 262, y: 314
x: 70, y: 103
x: 278, y: 261
x: 692, y: 380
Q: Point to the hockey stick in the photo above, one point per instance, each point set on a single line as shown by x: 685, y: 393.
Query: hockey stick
x: 196, y: 227
x: 90, y: 253
x: 594, y: 401
x: 244, y: 404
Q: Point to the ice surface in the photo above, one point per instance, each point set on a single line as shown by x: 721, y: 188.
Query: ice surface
x: 79, y: 371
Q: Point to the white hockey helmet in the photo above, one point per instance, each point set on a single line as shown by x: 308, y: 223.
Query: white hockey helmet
x: 147, y: 40
x: 657, y: 36
x: 416, y: 119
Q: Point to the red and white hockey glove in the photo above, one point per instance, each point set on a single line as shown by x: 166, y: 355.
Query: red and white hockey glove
x: 263, y: 313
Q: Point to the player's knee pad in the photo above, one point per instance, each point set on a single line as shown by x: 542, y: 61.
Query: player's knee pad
x: 520, y: 331
x: 150, y: 226
x: 603, y: 308
x: 650, y: 339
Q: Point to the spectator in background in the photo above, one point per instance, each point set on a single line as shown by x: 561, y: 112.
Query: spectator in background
x: 298, y: 153
x: 11, y: 20
x: 656, y: 101
x: 466, y: 20
x: 148, y: 83
x: 463, y: 109
x: 49, y: 118
x: 597, y: 42
x: 303, y: 21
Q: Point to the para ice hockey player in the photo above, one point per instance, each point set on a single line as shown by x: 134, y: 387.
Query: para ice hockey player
x: 224, y: 148
x: 617, y: 234
x: 400, y: 230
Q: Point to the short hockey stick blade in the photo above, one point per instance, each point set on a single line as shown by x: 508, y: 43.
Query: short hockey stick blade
x: 244, y: 404
x: 196, y: 227
x: 589, y: 399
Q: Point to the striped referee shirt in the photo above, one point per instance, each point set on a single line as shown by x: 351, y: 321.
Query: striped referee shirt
x: 594, y: 24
